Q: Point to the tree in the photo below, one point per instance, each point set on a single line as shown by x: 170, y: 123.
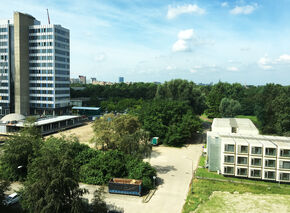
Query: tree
x: 19, y: 150
x: 229, y: 107
x: 173, y: 122
x: 52, y: 181
x: 4, y: 185
x: 123, y: 133
x: 98, y: 204
x: 182, y: 90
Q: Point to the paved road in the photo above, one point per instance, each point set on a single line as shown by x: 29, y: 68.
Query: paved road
x: 174, y: 168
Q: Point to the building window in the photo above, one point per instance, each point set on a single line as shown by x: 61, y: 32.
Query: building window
x: 229, y: 148
x: 228, y: 170
x: 255, y: 173
x: 270, y: 163
x: 229, y: 159
x: 284, y: 176
x: 284, y: 164
x: 242, y: 160
x: 256, y: 150
x: 270, y: 175
x: 285, y: 152
x: 242, y: 171
x: 271, y: 151
x: 256, y: 162
x: 243, y: 149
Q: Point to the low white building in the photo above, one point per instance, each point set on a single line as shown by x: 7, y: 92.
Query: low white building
x: 236, y: 148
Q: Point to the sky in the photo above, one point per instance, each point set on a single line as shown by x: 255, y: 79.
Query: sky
x: 158, y: 40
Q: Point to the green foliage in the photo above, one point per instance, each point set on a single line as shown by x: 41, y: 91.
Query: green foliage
x: 182, y: 90
x: 19, y: 150
x: 229, y: 108
x: 4, y: 185
x: 121, y: 105
x: 273, y: 109
x: 172, y: 121
x: 52, y: 181
x: 123, y: 133
x: 98, y: 204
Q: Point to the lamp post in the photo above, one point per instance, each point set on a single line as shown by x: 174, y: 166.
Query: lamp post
x: 154, y: 183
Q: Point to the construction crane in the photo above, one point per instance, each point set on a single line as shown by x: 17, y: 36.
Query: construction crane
x: 48, y: 16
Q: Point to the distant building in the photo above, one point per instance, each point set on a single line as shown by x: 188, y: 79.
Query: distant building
x: 93, y: 80
x: 236, y: 148
x: 83, y: 79
x: 102, y: 83
x: 74, y: 80
x: 121, y: 79
x: 34, y: 66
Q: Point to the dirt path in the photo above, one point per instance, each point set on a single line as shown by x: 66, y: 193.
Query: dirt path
x: 83, y: 133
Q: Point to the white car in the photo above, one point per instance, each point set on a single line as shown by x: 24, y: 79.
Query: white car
x: 11, y: 199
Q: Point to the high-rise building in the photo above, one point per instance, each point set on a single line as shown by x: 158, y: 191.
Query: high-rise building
x: 35, y: 67
x: 121, y: 79
x: 83, y: 79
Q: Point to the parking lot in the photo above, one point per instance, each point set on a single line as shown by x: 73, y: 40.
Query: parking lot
x: 174, y: 170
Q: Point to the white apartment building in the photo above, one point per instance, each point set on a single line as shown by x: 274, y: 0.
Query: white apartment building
x: 49, y: 68
x: 6, y: 65
x: 34, y: 67
x: 238, y: 150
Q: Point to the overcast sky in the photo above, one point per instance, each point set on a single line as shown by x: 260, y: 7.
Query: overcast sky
x: 158, y: 40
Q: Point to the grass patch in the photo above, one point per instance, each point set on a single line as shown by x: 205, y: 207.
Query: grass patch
x: 202, y: 189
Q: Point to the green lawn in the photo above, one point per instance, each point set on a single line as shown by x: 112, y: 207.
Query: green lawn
x: 202, y: 189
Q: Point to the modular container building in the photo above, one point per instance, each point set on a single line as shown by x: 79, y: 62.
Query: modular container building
x: 125, y: 186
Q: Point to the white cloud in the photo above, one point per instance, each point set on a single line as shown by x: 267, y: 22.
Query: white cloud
x: 284, y: 58
x: 181, y: 46
x: 173, y: 12
x: 186, y: 34
x: 225, y: 4
x: 245, y: 10
x: 234, y: 69
x: 100, y: 57
x: 170, y: 67
x: 265, y: 63
x: 193, y: 70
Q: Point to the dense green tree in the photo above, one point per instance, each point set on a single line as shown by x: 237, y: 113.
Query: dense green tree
x: 229, y: 108
x: 52, y: 181
x: 182, y: 90
x: 123, y: 133
x: 4, y: 185
x: 18, y: 152
x: 172, y: 121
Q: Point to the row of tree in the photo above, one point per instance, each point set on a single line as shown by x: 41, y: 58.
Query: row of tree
x: 270, y: 103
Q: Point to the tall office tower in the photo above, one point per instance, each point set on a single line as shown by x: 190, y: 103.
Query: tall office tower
x: 38, y: 66
x: 6, y: 66
x: 121, y: 79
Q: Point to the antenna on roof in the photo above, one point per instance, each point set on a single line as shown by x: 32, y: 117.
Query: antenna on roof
x: 48, y: 16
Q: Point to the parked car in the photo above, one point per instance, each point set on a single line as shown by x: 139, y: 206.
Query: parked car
x: 11, y: 199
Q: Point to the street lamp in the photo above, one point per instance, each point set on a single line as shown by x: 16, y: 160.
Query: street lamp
x: 154, y: 179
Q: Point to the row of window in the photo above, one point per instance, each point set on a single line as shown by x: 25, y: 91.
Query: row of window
x: 62, y: 78
x: 41, y: 91
x: 2, y: 30
x: 3, y: 71
x: 40, y: 64
x: 61, y: 98
x: 4, y: 57
x: 3, y: 43
x: 40, y: 37
x: 40, y: 85
x: 3, y: 64
x: 35, y: 98
x: 41, y: 30
x: 257, y: 162
x: 58, y: 58
x: 62, y: 32
x: 63, y: 46
x: 3, y: 91
x: 33, y: 105
x: 42, y: 78
x: 3, y: 36
x: 61, y: 85
x: 61, y: 72
x: 3, y: 50
x: 257, y: 173
x: 257, y: 150
x: 41, y: 71
x: 40, y: 44
x: 62, y: 92
x: 40, y: 51
x: 61, y: 52
x: 64, y: 66
x: 4, y: 98
x: 40, y: 58
x: 59, y: 38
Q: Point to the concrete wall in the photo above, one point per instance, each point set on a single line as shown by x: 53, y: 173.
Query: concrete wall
x: 21, y: 51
